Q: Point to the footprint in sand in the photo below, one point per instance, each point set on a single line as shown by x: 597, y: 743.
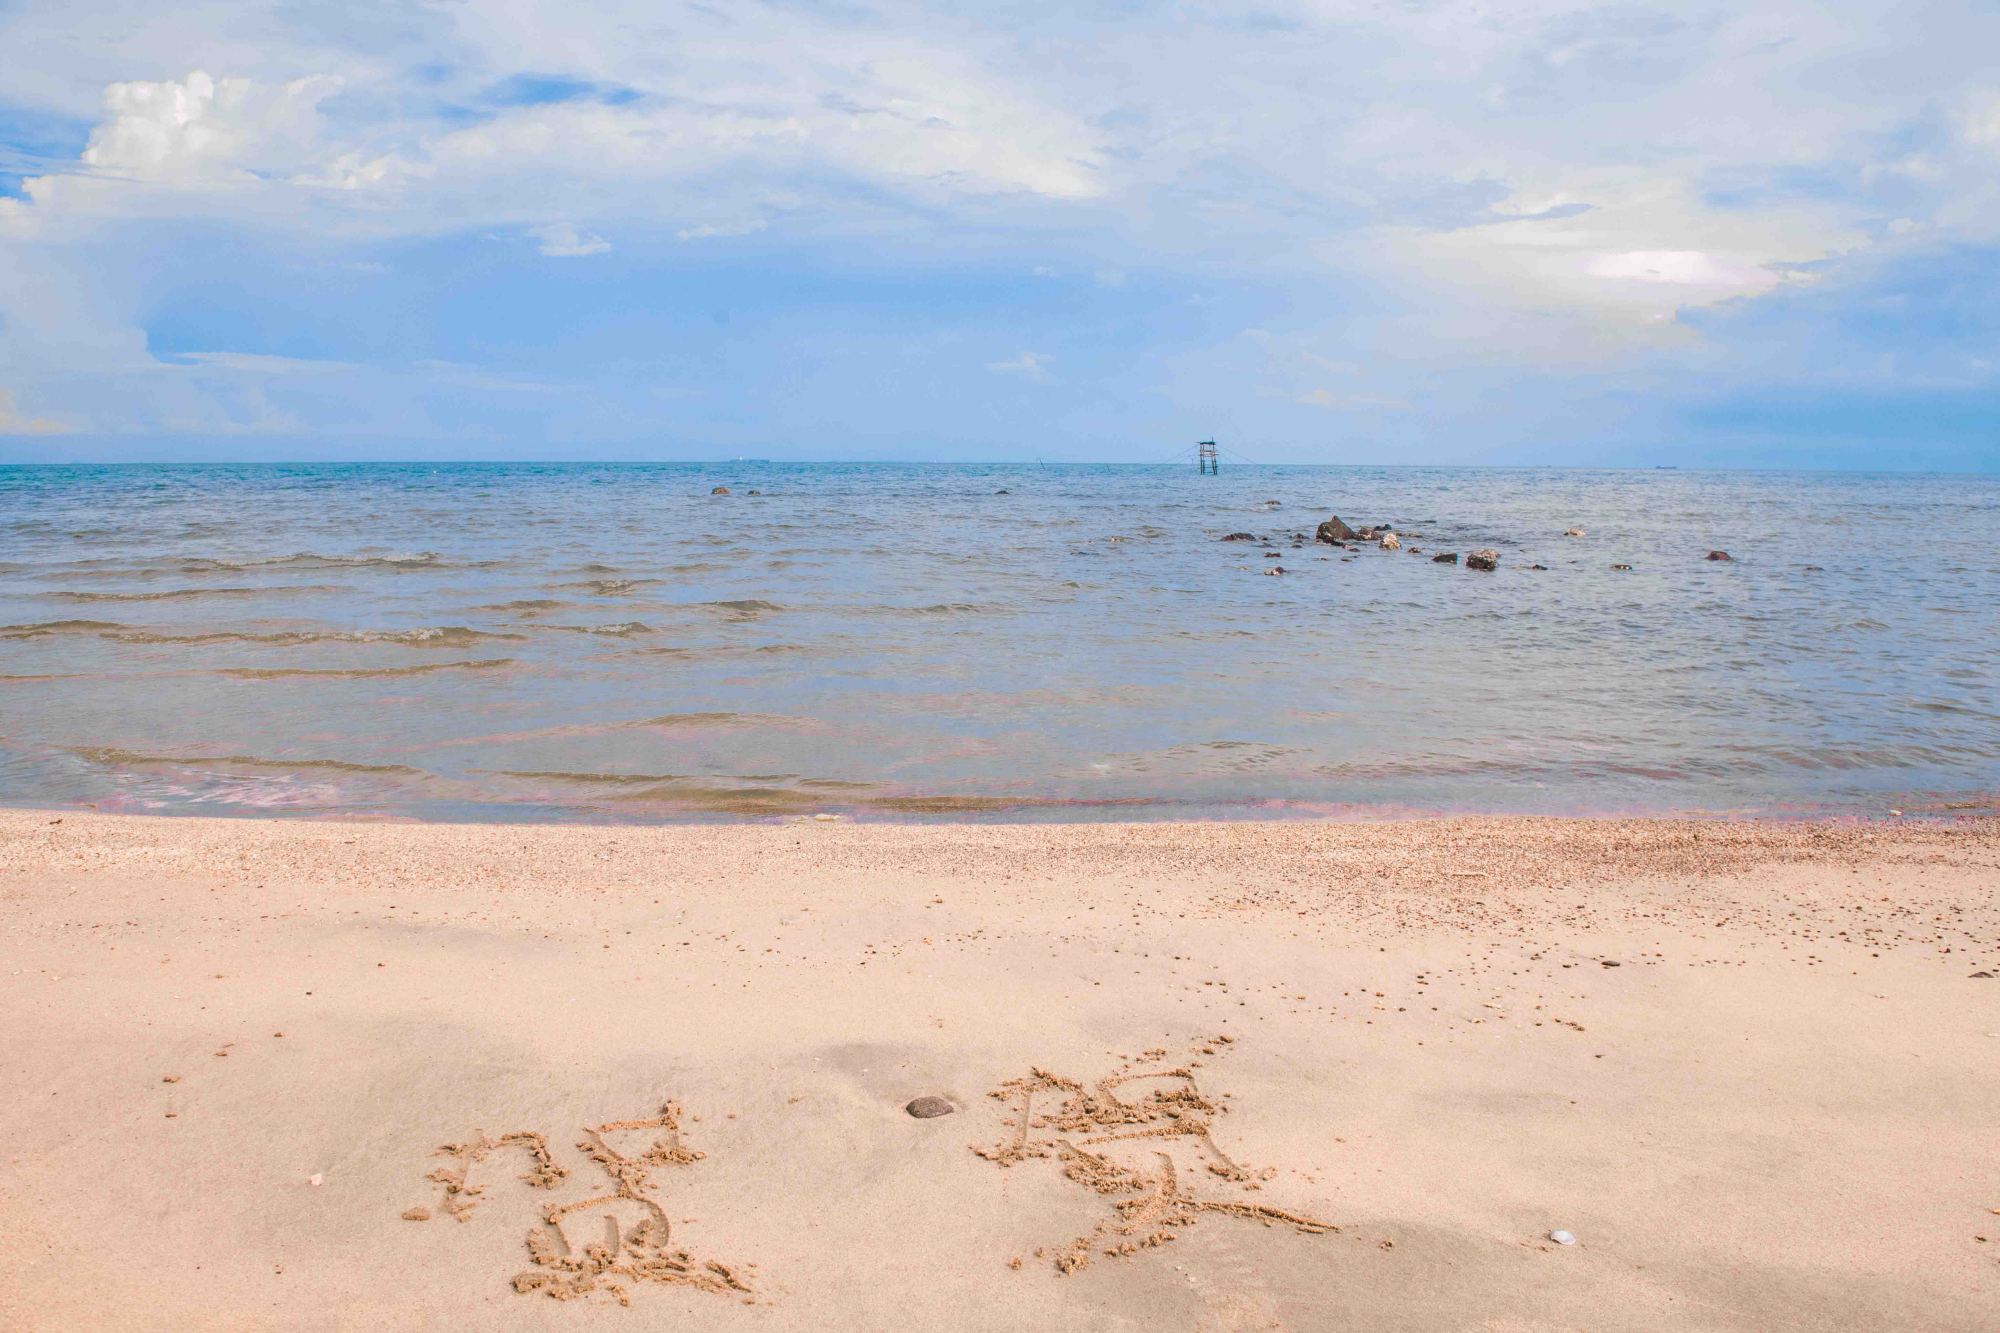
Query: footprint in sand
x: 1142, y: 1137
x: 599, y: 1244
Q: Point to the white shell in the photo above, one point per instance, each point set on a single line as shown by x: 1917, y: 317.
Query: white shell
x: 1562, y: 1238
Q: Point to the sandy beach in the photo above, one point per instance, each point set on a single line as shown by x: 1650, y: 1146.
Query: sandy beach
x: 318, y: 1075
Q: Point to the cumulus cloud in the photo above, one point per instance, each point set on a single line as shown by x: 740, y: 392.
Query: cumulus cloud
x: 1027, y: 365
x: 197, y: 126
x: 13, y: 421
x: 562, y: 240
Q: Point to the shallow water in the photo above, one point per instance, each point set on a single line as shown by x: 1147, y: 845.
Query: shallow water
x: 561, y: 641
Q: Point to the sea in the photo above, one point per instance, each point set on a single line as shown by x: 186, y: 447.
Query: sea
x: 1040, y: 641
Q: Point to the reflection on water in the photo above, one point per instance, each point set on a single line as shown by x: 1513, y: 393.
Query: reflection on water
x: 988, y: 641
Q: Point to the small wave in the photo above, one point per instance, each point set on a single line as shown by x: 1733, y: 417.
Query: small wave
x: 527, y: 604
x: 955, y: 805
x: 620, y: 629
x: 168, y: 595
x: 430, y: 636
x: 314, y: 560
x: 712, y: 720
x: 610, y: 587
x: 742, y: 607
x: 361, y: 673
x: 753, y: 796
x: 594, y: 779
x: 40, y: 628
x: 111, y: 756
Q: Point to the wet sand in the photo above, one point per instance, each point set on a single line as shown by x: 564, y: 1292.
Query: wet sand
x: 1250, y: 1076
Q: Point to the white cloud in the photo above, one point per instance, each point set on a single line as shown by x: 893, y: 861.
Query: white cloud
x: 561, y: 240
x: 714, y: 230
x: 197, y: 126
x: 13, y: 421
x: 258, y: 363
x: 1028, y: 365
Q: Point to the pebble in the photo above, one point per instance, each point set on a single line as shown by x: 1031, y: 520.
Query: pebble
x: 927, y: 1108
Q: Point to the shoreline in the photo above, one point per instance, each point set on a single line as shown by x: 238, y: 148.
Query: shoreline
x: 1003, y: 812
x: 1748, y: 1063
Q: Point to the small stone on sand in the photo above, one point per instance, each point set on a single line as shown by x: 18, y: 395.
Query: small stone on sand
x: 926, y: 1108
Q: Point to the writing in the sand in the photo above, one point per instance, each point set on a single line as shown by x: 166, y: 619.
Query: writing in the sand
x: 633, y: 1239
x: 1117, y: 1137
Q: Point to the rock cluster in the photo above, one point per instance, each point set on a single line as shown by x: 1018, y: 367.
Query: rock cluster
x: 1333, y: 532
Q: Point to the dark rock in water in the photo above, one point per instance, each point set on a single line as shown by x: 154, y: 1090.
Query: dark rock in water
x: 1448, y: 558
x: 929, y: 1108
x: 1271, y: 555
x: 719, y: 490
x: 1275, y: 569
x: 1241, y: 537
x: 753, y: 492
x: 1723, y: 556
x: 1333, y: 532
x: 1812, y: 569
x: 1003, y: 492
x: 1542, y: 567
x: 1488, y: 560
x: 1626, y: 568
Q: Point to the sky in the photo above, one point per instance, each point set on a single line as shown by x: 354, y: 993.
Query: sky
x: 1431, y: 231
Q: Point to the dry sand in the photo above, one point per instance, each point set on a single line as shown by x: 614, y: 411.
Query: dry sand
x: 1250, y: 1076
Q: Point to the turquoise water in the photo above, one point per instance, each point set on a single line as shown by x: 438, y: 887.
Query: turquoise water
x: 586, y: 641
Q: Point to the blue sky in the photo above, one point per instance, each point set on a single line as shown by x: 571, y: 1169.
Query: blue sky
x: 1321, y: 231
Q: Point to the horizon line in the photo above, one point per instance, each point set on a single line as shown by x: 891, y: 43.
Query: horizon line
x: 967, y: 462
